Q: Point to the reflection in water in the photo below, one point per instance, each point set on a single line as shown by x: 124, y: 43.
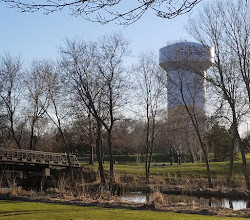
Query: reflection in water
x: 192, y: 200
x: 139, y: 197
x: 231, y: 204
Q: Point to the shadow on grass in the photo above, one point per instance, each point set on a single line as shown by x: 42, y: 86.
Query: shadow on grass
x: 31, y: 212
x: 3, y: 202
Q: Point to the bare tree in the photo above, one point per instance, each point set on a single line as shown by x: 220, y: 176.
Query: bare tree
x: 227, y: 29
x: 187, y: 93
x: 56, y: 106
x: 95, y: 75
x: 10, y: 91
x: 37, y: 96
x: 111, y: 53
x: 152, y: 93
x: 91, y: 138
x: 3, y: 125
x: 84, y: 127
x: 236, y: 31
x: 105, y: 11
x: 237, y: 37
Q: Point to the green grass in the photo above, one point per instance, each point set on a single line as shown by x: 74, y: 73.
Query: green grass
x: 16, y: 210
x: 195, y: 170
x: 190, y: 170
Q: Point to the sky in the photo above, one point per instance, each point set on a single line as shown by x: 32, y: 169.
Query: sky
x: 38, y: 36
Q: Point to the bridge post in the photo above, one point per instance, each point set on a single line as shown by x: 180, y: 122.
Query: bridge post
x: 46, y: 172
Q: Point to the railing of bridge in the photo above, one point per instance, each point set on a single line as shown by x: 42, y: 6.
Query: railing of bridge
x: 37, y: 157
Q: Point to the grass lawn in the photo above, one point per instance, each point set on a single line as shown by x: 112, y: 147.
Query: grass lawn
x: 190, y: 170
x: 27, y: 211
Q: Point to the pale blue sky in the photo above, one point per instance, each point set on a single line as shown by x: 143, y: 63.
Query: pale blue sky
x: 35, y: 35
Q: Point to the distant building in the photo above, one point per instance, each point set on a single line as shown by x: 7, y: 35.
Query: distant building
x: 186, y: 64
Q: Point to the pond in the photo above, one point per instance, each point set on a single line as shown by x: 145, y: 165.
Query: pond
x: 142, y: 197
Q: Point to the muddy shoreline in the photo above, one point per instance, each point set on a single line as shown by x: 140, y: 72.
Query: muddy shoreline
x: 207, y: 193
x: 115, y: 202
x: 228, y: 193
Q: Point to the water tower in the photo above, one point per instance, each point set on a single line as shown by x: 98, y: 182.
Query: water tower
x: 186, y: 64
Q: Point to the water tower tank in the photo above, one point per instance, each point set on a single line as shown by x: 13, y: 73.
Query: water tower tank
x: 186, y: 64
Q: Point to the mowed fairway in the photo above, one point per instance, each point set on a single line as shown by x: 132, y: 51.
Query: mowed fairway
x: 28, y: 210
x: 186, y: 170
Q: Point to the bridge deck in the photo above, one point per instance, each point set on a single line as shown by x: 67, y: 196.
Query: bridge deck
x: 37, y: 157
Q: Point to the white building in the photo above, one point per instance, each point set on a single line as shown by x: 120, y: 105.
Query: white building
x: 186, y: 64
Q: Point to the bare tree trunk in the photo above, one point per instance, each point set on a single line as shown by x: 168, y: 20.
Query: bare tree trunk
x: 90, y: 136
x: 11, y: 112
x: 111, y: 158
x: 151, y: 146
x: 202, y: 145
x: 242, y: 148
x: 98, y: 152
x: 91, y: 152
x: 147, y: 143
x: 244, y: 162
x: 32, y: 136
x: 17, y: 140
x: 231, y: 163
x: 101, y: 149
x: 208, y: 168
x: 150, y: 158
x: 66, y: 147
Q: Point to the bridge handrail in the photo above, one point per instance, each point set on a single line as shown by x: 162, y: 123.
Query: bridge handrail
x: 41, y: 157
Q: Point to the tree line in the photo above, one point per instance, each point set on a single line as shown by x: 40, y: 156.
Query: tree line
x: 89, y: 99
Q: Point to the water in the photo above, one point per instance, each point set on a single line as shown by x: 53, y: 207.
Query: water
x: 141, y: 197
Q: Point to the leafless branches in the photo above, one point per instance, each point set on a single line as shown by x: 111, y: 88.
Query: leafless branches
x: 10, y: 90
x: 225, y: 25
x: 152, y: 97
x: 94, y: 72
x: 122, y: 11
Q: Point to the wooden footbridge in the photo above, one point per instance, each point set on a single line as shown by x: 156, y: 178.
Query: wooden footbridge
x: 29, y: 160
x: 36, y: 157
x: 37, y: 167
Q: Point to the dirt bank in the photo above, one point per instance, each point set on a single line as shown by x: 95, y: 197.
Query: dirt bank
x: 115, y: 202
